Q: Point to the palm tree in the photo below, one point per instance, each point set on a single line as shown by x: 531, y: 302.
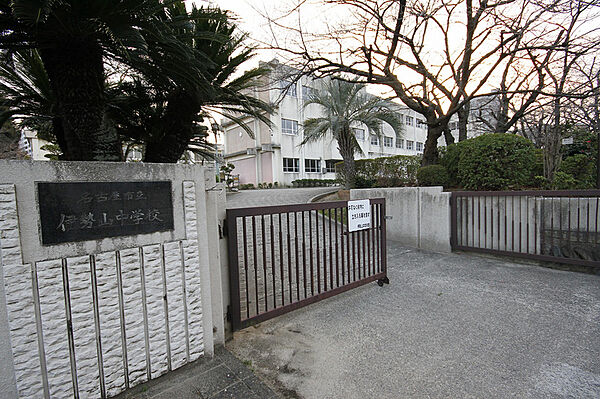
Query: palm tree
x: 74, y: 39
x: 167, y: 118
x: 345, y: 104
x: 26, y: 95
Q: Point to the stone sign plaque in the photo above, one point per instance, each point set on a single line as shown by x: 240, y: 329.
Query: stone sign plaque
x: 90, y: 211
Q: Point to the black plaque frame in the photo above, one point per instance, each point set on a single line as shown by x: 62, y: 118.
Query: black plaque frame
x: 84, y: 211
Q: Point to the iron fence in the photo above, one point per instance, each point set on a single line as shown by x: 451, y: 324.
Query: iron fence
x: 554, y: 226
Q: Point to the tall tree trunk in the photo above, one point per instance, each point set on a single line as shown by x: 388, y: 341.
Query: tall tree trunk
x: 169, y: 145
x: 448, y: 136
x: 434, y: 132
x: 76, y: 72
x: 502, y: 117
x: 347, y: 152
x: 463, y: 120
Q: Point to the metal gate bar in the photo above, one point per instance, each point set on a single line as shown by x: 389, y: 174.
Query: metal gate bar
x: 553, y: 226
x: 285, y: 257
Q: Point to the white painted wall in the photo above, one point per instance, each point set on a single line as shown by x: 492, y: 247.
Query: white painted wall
x: 111, y: 291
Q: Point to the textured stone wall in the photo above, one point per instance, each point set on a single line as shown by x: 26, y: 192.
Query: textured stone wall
x: 93, y: 320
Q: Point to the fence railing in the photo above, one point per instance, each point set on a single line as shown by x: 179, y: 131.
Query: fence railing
x: 285, y: 257
x: 555, y: 226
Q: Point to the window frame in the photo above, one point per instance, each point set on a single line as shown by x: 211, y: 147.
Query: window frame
x: 294, y: 124
x: 374, y: 139
x: 361, y: 137
x: 388, y: 140
x: 410, y: 145
x: 400, y: 142
x: 330, y: 165
x: 295, y: 165
x: 310, y: 169
x: 290, y: 88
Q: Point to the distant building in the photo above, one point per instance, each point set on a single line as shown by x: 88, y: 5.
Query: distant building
x: 32, y: 145
x: 275, y: 154
x: 483, y: 116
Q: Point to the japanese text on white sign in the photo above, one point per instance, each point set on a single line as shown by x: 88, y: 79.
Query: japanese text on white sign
x: 359, y: 215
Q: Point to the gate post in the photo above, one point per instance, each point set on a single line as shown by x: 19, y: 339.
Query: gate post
x: 453, y: 221
x: 234, y: 278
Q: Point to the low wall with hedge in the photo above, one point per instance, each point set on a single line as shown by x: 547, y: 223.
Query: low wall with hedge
x: 396, y: 171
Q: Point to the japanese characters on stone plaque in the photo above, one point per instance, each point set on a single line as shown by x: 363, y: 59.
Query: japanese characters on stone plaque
x: 77, y: 211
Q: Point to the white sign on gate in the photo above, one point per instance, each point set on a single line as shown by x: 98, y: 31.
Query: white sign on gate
x: 359, y: 215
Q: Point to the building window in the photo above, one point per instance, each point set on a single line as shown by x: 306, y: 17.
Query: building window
x: 306, y: 90
x: 289, y: 126
x: 399, y: 143
x: 410, y: 121
x: 374, y: 140
x: 419, y: 147
x: 358, y: 133
x: 289, y: 87
x: 330, y: 165
x: 409, y: 144
x: 388, y: 141
x: 421, y: 124
x: 291, y: 165
x: 453, y: 125
x: 312, y: 165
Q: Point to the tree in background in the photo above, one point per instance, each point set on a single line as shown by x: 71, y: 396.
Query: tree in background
x: 406, y: 45
x: 346, y: 104
x: 74, y: 39
x: 9, y: 143
x: 166, y: 118
x: 105, y: 74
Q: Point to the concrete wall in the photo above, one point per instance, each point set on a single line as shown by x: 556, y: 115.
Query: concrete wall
x: 420, y: 216
x: 95, y: 317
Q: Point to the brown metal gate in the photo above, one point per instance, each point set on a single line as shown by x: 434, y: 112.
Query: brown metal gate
x: 284, y: 257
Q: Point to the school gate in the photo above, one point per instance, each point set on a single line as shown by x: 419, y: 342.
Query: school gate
x: 285, y: 257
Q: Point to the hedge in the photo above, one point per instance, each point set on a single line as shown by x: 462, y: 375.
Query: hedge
x: 396, y: 171
x: 314, y: 182
x: 433, y: 175
x: 492, y: 162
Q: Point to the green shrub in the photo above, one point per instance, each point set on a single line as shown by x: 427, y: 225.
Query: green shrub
x: 541, y: 182
x: 247, y: 186
x: 449, y: 157
x: 496, y: 162
x: 539, y: 162
x: 364, y: 182
x: 396, y: 171
x: 564, y: 181
x: 433, y: 175
x: 581, y: 168
x: 314, y: 182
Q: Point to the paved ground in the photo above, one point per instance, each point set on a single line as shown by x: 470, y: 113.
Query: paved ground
x: 448, y: 326
x: 279, y: 196
x: 223, y: 376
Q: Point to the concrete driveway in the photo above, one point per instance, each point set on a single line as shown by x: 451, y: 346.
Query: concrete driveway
x: 276, y: 196
x: 448, y: 326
